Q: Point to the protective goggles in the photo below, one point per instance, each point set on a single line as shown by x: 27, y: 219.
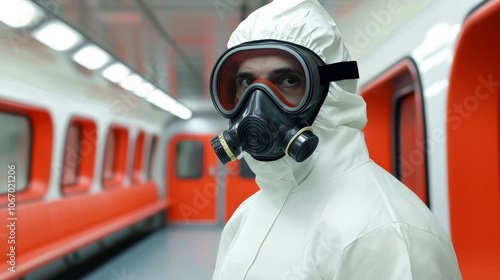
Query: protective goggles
x: 293, y: 76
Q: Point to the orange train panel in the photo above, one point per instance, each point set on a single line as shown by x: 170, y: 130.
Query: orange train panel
x: 194, y: 196
x: 473, y: 145
x: 237, y: 188
x: 378, y: 97
x: 46, y: 231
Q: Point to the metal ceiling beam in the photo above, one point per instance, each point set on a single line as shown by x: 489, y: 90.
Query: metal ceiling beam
x: 163, y: 33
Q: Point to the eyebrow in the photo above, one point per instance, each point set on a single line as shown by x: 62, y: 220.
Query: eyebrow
x: 283, y: 70
x: 243, y: 75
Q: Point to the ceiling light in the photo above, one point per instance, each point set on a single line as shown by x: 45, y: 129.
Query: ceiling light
x: 167, y: 103
x: 131, y: 82
x: 148, y: 86
x: 58, y: 36
x: 91, y: 57
x: 160, y: 99
x: 182, y: 112
x: 19, y: 13
x: 116, y: 72
x: 144, y: 90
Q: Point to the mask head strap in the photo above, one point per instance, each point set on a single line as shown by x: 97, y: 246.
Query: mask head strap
x: 344, y: 70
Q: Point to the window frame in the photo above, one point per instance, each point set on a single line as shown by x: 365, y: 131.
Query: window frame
x: 41, y: 149
x: 410, y: 88
x: 85, y: 173
x: 119, y: 157
x: 151, y: 157
x: 139, y: 158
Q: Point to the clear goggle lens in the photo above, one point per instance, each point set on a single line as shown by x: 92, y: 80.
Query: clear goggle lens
x: 280, y: 70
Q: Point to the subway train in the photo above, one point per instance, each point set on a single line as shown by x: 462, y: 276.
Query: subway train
x: 99, y: 155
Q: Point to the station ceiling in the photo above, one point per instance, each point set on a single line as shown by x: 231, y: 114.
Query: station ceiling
x: 174, y: 43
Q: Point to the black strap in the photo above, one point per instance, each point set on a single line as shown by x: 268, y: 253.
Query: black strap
x: 344, y: 70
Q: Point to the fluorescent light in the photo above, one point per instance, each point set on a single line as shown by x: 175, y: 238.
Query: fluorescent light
x: 91, y: 57
x: 19, y: 13
x: 58, y: 36
x: 131, y: 82
x: 167, y: 103
x: 144, y: 90
x: 182, y: 112
x: 160, y: 99
x: 148, y: 86
x: 116, y: 72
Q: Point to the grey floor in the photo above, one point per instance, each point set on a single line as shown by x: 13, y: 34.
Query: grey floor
x: 173, y: 252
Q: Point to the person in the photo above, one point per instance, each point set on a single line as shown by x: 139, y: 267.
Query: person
x: 324, y: 209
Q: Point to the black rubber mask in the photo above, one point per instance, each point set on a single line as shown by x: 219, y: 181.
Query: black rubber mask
x: 271, y: 91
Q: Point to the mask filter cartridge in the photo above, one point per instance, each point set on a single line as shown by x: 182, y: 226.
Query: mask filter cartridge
x: 255, y: 137
x: 302, y: 143
x: 225, y: 148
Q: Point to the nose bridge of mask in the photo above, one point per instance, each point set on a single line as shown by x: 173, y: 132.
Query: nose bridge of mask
x: 258, y: 100
x: 275, y: 91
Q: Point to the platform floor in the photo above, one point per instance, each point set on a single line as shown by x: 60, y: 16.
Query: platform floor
x: 172, y: 252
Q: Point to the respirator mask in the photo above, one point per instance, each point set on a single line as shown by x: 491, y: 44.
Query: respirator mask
x: 271, y: 91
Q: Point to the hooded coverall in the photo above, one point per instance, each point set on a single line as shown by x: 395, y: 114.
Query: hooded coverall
x: 337, y: 215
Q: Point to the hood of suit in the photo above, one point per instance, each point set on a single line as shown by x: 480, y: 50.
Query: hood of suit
x: 343, y: 114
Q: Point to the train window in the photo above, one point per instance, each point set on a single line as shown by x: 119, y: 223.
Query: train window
x: 115, y: 157
x: 138, y: 170
x: 77, y: 169
x: 109, y: 158
x: 245, y: 171
x: 16, y: 137
x: 152, y: 155
x: 189, y: 162
x: 71, y: 159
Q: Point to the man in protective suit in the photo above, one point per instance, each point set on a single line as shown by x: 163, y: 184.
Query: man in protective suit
x: 324, y: 209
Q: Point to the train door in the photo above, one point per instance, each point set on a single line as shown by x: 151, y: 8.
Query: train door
x: 192, y: 180
x: 473, y: 138
x: 200, y: 189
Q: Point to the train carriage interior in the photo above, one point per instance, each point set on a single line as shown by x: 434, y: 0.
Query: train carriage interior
x: 106, y: 120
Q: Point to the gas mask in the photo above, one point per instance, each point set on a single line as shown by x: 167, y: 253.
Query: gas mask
x: 271, y: 91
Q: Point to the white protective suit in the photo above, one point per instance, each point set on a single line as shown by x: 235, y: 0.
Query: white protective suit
x: 337, y: 215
